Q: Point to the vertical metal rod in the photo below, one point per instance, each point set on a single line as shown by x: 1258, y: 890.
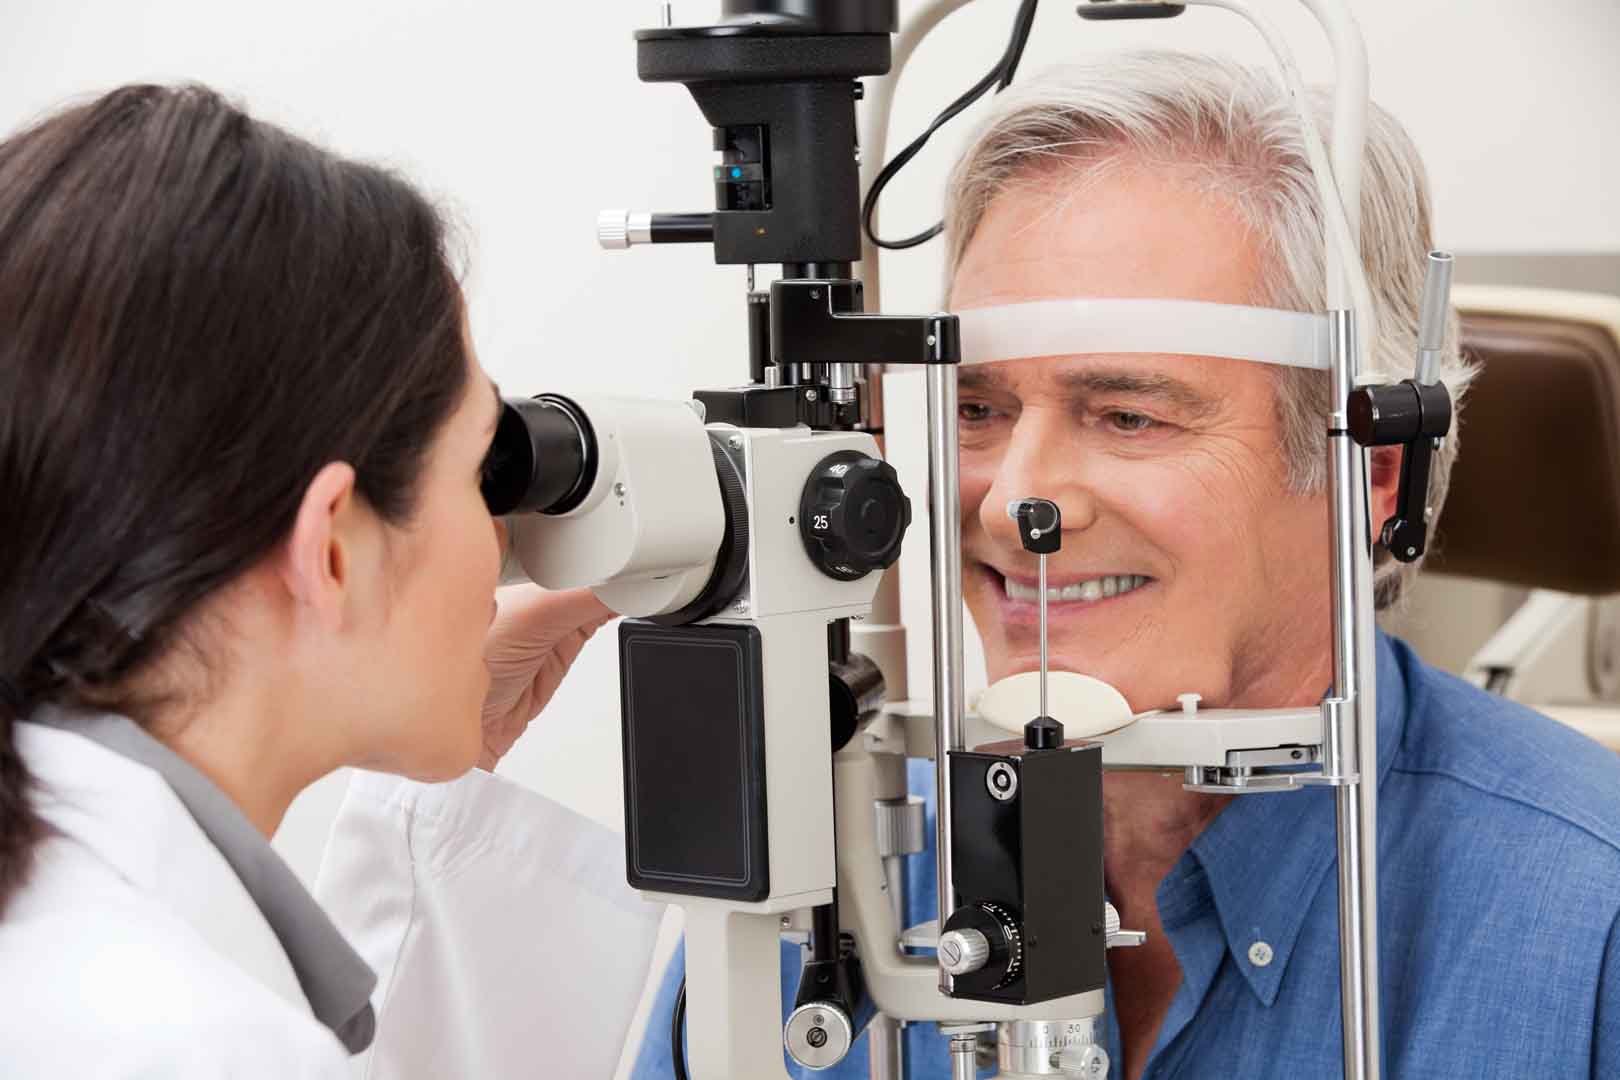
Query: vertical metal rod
x: 1354, y: 685
x: 945, y: 559
x: 885, y: 1048
x: 964, y: 1057
x: 1352, y: 982
x: 1365, y: 793
x: 1043, y: 635
x: 1435, y: 316
x: 841, y: 382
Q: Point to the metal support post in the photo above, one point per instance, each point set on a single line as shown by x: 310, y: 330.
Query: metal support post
x: 1355, y: 688
x: 945, y: 551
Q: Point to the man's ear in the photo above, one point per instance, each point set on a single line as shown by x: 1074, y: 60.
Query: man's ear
x: 315, y: 565
x: 1384, y: 482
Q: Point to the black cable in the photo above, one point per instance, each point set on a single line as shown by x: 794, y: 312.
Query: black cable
x: 997, y: 79
x: 677, y: 1034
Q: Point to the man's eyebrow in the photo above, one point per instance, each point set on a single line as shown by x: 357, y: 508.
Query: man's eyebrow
x: 1166, y: 388
x: 980, y: 379
x: 1172, y: 391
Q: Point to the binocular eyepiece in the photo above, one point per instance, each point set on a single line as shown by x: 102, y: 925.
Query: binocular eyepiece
x: 543, y: 458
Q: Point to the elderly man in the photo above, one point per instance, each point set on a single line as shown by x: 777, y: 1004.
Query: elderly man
x: 1196, y: 557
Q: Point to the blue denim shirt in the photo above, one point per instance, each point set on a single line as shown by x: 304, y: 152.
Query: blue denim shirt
x: 1499, y: 910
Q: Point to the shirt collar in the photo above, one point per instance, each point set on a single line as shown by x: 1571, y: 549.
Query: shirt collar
x: 336, y: 982
x: 1265, y: 855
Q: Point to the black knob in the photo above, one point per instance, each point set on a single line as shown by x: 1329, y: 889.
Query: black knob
x: 1043, y: 733
x: 1000, y: 929
x: 853, y: 515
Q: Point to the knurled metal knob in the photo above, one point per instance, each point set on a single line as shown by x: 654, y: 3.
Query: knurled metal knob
x: 613, y: 229
x: 1084, y: 1062
x: 899, y: 826
x: 1110, y: 920
x: 962, y: 952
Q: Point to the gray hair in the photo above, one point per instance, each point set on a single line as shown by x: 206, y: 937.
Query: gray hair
x: 1236, y: 130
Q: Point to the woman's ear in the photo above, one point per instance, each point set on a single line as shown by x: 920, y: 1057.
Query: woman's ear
x: 315, y: 566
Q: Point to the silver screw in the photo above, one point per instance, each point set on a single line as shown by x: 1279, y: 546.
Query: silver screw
x: 740, y: 607
x: 1411, y: 551
x: 815, y: 294
x: 809, y: 395
x: 618, y: 489
x: 735, y: 442
x: 932, y: 340
x: 787, y: 921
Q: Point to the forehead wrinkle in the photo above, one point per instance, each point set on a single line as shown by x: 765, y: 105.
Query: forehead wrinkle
x: 982, y: 378
x: 1166, y: 388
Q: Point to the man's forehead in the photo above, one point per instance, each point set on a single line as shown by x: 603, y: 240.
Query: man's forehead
x: 1133, y: 233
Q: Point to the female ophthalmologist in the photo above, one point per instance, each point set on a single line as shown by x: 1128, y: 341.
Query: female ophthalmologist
x: 242, y: 544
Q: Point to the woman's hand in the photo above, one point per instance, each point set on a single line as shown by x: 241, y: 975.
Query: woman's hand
x: 534, y: 640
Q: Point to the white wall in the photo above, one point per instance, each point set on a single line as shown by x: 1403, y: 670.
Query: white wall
x: 527, y: 117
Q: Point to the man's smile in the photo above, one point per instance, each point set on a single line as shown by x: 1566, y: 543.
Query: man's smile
x: 1072, y: 594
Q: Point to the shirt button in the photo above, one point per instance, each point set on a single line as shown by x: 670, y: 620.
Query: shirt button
x: 1259, y: 954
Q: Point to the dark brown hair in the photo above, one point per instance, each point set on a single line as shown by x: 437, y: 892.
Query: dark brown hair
x: 198, y: 311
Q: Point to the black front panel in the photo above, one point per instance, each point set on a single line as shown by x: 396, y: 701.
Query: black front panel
x: 1035, y: 858
x: 1063, y: 866
x: 988, y: 857
x: 694, y: 760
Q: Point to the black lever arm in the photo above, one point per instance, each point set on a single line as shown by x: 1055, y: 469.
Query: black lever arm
x: 1416, y: 418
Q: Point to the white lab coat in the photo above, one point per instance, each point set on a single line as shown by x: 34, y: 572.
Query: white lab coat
x: 505, y: 940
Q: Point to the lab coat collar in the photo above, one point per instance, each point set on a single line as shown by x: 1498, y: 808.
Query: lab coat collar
x: 1265, y: 855
x: 334, y: 981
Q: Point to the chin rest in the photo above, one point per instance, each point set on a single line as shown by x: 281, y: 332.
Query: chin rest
x: 1086, y: 707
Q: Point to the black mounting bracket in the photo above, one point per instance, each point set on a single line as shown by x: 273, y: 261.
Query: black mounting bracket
x: 820, y: 322
x: 778, y: 85
x: 1416, y: 418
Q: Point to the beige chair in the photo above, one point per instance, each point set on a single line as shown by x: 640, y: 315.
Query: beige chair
x: 1521, y: 594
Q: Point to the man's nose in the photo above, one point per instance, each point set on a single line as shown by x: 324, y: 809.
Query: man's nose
x: 1042, y: 461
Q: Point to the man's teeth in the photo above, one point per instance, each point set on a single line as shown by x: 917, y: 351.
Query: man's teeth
x: 1095, y: 589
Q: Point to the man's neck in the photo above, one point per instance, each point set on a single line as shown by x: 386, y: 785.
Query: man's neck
x: 1149, y: 822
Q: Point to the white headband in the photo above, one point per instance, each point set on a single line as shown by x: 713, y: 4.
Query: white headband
x: 1181, y: 327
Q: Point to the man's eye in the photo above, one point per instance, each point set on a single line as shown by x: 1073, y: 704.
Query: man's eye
x: 1130, y: 422
x: 972, y: 412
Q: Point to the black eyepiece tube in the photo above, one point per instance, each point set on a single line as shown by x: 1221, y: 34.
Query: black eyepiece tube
x: 681, y: 229
x: 543, y: 458
x: 759, y: 334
